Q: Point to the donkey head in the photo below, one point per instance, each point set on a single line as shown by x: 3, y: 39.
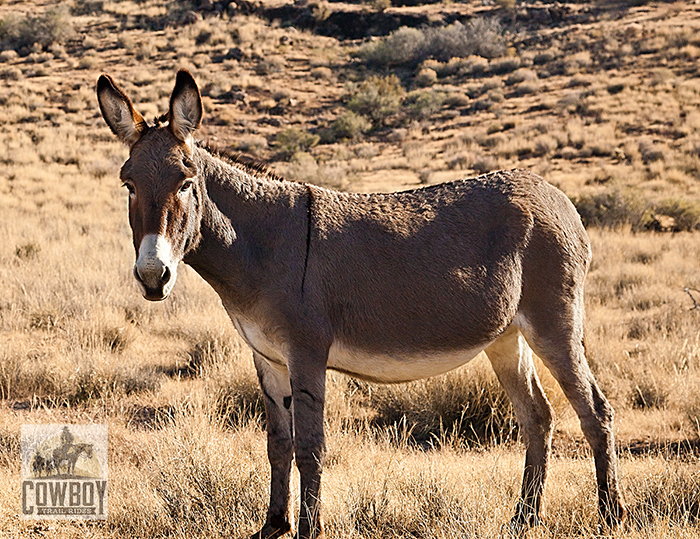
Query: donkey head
x: 165, y: 191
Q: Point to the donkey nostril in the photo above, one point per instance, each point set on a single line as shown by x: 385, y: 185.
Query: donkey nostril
x: 137, y: 275
x: 166, y: 275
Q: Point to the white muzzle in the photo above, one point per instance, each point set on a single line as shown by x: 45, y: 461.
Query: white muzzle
x: 155, y: 270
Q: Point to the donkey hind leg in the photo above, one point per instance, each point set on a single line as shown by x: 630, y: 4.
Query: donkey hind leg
x: 561, y: 348
x: 511, y: 359
x: 277, y: 395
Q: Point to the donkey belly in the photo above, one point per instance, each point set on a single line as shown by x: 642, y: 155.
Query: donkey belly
x: 396, y: 367
x: 385, y: 367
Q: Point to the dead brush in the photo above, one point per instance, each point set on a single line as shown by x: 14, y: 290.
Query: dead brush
x: 206, y: 485
x: 668, y: 496
x: 420, y: 505
x: 463, y: 408
x: 236, y: 403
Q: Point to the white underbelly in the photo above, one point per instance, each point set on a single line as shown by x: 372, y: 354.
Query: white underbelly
x: 378, y: 367
x: 398, y: 367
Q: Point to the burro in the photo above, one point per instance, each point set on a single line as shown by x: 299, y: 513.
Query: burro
x: 384, y: 287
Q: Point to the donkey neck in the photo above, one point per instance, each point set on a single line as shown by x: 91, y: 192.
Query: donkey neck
x: 253, y: 231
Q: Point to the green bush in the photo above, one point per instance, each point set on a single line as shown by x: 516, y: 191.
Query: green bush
x: 22, y: 33
x: 480, y: 37
x: 405, y: 46
x: 348, y: 126
x: 294, y: 140
x: 410, y: 46
x: 685, y: 212
x: 423, y: 104
x: 610, y: 209
x: 615, y: 208
x: 378, y: 98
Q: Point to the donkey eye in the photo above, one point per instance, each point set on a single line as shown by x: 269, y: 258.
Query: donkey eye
x: 186, y: 186
x: 129, y: 188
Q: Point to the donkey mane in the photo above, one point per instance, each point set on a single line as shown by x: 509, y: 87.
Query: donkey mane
x: 249, y: 164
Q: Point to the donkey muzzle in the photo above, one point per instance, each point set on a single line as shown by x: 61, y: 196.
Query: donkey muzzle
x: 155, y: 271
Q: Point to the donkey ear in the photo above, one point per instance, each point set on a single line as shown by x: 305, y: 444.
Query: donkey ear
x: 185, y: 106
x: 118, y: 112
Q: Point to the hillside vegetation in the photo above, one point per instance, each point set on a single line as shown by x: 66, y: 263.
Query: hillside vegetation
x: 601, y: 98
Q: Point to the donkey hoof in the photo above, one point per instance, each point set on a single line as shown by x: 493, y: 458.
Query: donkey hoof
x: 318, y: 535
x: 615, y: 516
x: 520, y: 523
x: 304, y: 533
x: 273, y: 530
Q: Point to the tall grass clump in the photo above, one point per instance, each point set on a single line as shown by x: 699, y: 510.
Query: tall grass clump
x: 207, y: 482
x: 464, y: 407
x: 669, y: 496
x: 419, y: 505
x: 84, y: 380
x: 22, y: 33
x: 408, y: 47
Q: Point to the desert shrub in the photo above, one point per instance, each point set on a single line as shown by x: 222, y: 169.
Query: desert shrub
x: 303, y: 167
x: 348, y: 126
x: 521, y: 75
x: 686, y: 213
x: 378, y: 5
x: 294, y: 140
x: 403, y: 47
x: 504, y: 65
x: 417, y: 505
x: 465, y: 405
x: 238, y: 403
x: 484, y: 163
x: 425, y: 77
x: 410, y: 46
x: 647, y: 393
x: 614, y: 208
x: 673, y: 495
x: 206, y: 485
x: 378, y: 98
x: 544, y: 145
x: 423, y: 104
x: 252, y: 144
x: 526, y: 88
x: 480, y: 37
x: 21, y: 33
x: 321, y: 72
x: 610, y: 209
x: 651, y: 152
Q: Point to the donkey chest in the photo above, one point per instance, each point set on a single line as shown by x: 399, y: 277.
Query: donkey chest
x: 376, y: 366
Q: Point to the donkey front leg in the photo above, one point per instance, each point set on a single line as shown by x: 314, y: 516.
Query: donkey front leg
x: 277, y: 394
x: 308, y: 375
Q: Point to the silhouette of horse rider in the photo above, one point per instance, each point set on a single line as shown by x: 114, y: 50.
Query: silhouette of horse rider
x: 69, y: 452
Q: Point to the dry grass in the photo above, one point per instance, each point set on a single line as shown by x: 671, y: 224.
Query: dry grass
x: 605, y: 109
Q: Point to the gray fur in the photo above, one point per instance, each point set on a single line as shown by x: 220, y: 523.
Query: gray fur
x: 416, y: 282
